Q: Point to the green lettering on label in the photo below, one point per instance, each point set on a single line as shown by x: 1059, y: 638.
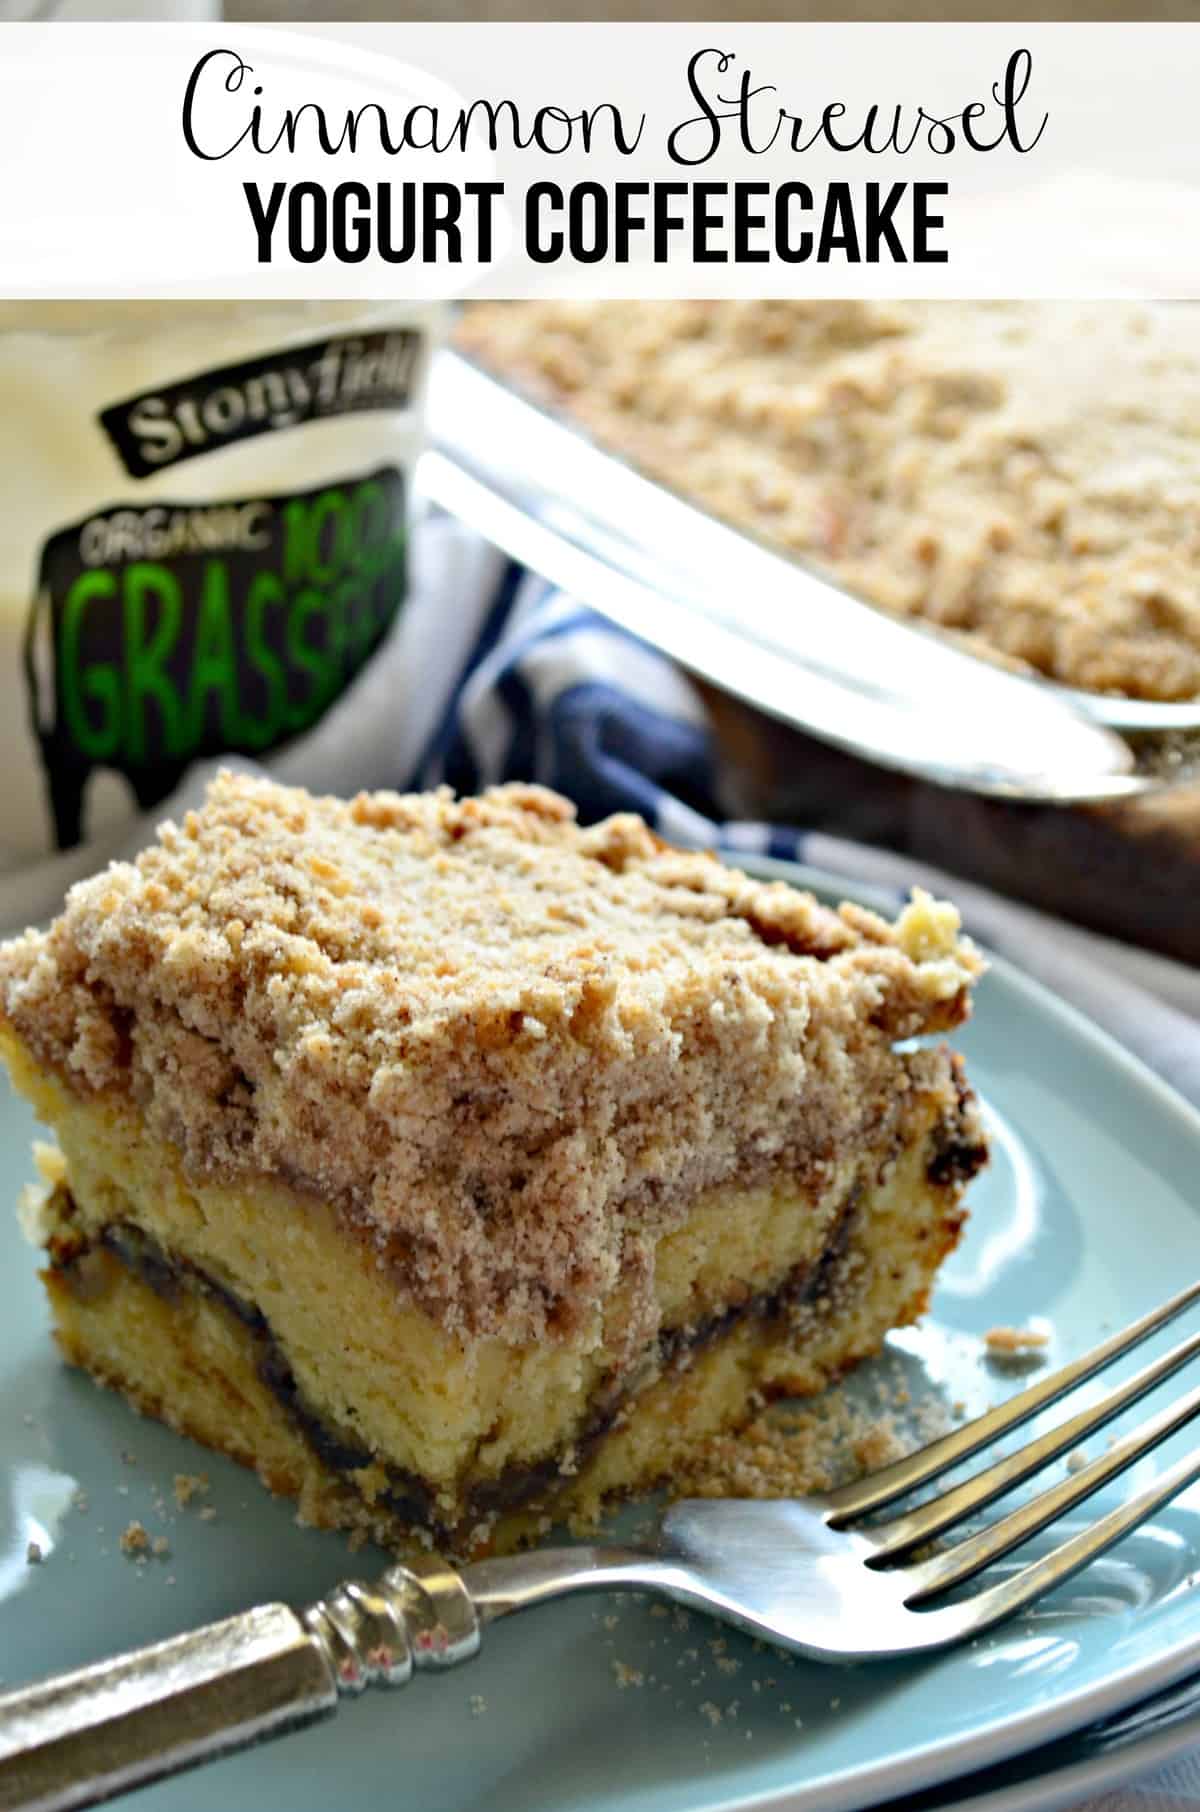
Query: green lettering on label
x: 241, y: 636
x: 381, y: 569
x: 329, y: 509
x: 100, y: 681
x: 295, y: 542
x: 352, y: 628
x: 146, y: 657
x: 305, y: 605
x: 266, y: 590
x: 214, y: 660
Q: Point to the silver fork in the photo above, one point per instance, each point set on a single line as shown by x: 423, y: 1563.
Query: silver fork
x: 817, y: 1575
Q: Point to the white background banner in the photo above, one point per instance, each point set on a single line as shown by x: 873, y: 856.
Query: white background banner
x: 603, y: 160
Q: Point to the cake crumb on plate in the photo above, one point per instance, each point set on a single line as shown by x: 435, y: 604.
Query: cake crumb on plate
x: 1004, y: 1342
x: 878, y: 1447
x: 189, y: 1485
x: 134, y: 1539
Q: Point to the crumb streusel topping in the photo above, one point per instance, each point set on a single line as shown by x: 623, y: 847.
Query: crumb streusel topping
x: 1025, y: 474
x: 509, y: 1049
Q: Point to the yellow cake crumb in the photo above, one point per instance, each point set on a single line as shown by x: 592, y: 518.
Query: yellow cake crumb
x: 189, y: 1485
x: 135, y: 1539
x: 1007, y: 1341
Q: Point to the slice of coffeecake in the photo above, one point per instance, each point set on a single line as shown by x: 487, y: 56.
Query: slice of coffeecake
x: 456, y: 1166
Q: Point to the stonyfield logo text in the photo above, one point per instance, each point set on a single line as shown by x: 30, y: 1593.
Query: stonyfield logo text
x: 281, y: 389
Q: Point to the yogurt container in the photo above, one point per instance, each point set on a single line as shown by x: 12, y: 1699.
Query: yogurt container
x: 206, y: 514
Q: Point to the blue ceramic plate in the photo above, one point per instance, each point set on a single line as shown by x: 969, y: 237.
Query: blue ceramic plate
x: 1082, y: 1766
x: 1087, y: 1216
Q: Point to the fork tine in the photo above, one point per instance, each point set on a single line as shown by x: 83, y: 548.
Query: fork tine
x: 940, y: 1513
x: 890, y: 1482
x: 1050, y: 1570
x: 977, y: 1551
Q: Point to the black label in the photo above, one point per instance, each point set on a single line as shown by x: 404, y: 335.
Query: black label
x: 342, y: 375
x: 167, y: 631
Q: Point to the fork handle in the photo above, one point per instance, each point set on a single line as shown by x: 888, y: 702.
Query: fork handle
x: 79, y: 1738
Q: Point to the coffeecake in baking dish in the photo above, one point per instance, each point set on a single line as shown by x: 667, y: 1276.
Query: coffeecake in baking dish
x: 1023, y: 474
x: 459, y: 1167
